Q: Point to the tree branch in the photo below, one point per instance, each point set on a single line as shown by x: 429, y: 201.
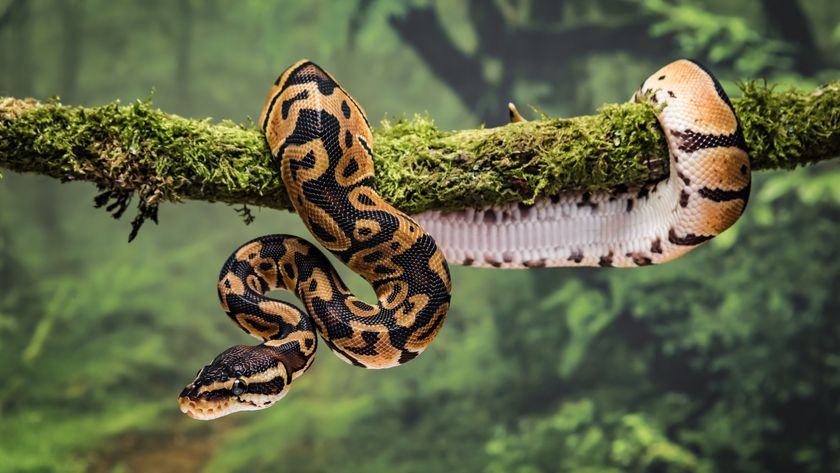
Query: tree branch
x: 421, y: 29
x: 162, y: 157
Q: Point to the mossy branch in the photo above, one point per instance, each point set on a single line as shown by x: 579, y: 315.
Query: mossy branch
x: 161, y: 157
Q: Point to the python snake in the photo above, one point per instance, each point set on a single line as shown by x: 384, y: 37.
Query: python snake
x: 322, y: 141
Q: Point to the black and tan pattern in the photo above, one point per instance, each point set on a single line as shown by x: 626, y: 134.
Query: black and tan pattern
x: 322, y: 141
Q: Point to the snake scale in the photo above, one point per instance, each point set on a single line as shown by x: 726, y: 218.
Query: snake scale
x: 322, y: 141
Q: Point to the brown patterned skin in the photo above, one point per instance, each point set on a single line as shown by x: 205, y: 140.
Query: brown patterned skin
x: 322, y: 141
x: 707, y: 145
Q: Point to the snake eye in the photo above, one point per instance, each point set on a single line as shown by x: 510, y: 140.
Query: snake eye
x: 239, y: 387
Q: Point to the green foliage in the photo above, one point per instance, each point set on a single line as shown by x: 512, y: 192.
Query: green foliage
x: 579, y: 438
x: 720, y: 38
x: 725, y: 360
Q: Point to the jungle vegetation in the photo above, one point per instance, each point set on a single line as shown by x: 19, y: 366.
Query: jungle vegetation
x: 727, y: 359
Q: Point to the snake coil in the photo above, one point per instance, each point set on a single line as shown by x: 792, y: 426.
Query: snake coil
x: 322, y: 141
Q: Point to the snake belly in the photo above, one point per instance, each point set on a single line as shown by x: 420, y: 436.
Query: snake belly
x: 322, y: 141
x: 705, y: 193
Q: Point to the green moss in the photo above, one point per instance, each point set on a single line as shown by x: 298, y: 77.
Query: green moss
x: 789, y: 128
x: 421, y: 168
x: 136, y: 149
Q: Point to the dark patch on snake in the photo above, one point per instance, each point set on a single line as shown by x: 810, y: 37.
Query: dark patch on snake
x: 689, y: 239
x: 656, y: 246
x: 692, y: 141
x: 351, y: 169
x: 719, y: 195
x: 287, y: 104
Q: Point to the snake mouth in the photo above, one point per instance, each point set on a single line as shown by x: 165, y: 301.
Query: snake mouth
x: 200, y: 406
x: 197, y: 407
x: 212, y: 405
x: 203, y: 410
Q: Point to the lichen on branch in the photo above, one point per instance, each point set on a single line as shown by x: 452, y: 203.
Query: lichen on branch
x: 136, y: 149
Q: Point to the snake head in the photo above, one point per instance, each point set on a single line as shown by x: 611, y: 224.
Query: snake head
x: 240, y: 378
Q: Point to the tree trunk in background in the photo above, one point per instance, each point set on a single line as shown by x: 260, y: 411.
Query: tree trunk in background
x: 421, y: 29
x: 546, y: 52
x: 790, y: 22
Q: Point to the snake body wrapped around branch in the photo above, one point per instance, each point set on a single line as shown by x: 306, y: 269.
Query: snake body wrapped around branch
x: 322, y: 141
x: 706, y: 192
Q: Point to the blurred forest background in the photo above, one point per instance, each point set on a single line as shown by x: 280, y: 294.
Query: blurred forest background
x: 725, y: 360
